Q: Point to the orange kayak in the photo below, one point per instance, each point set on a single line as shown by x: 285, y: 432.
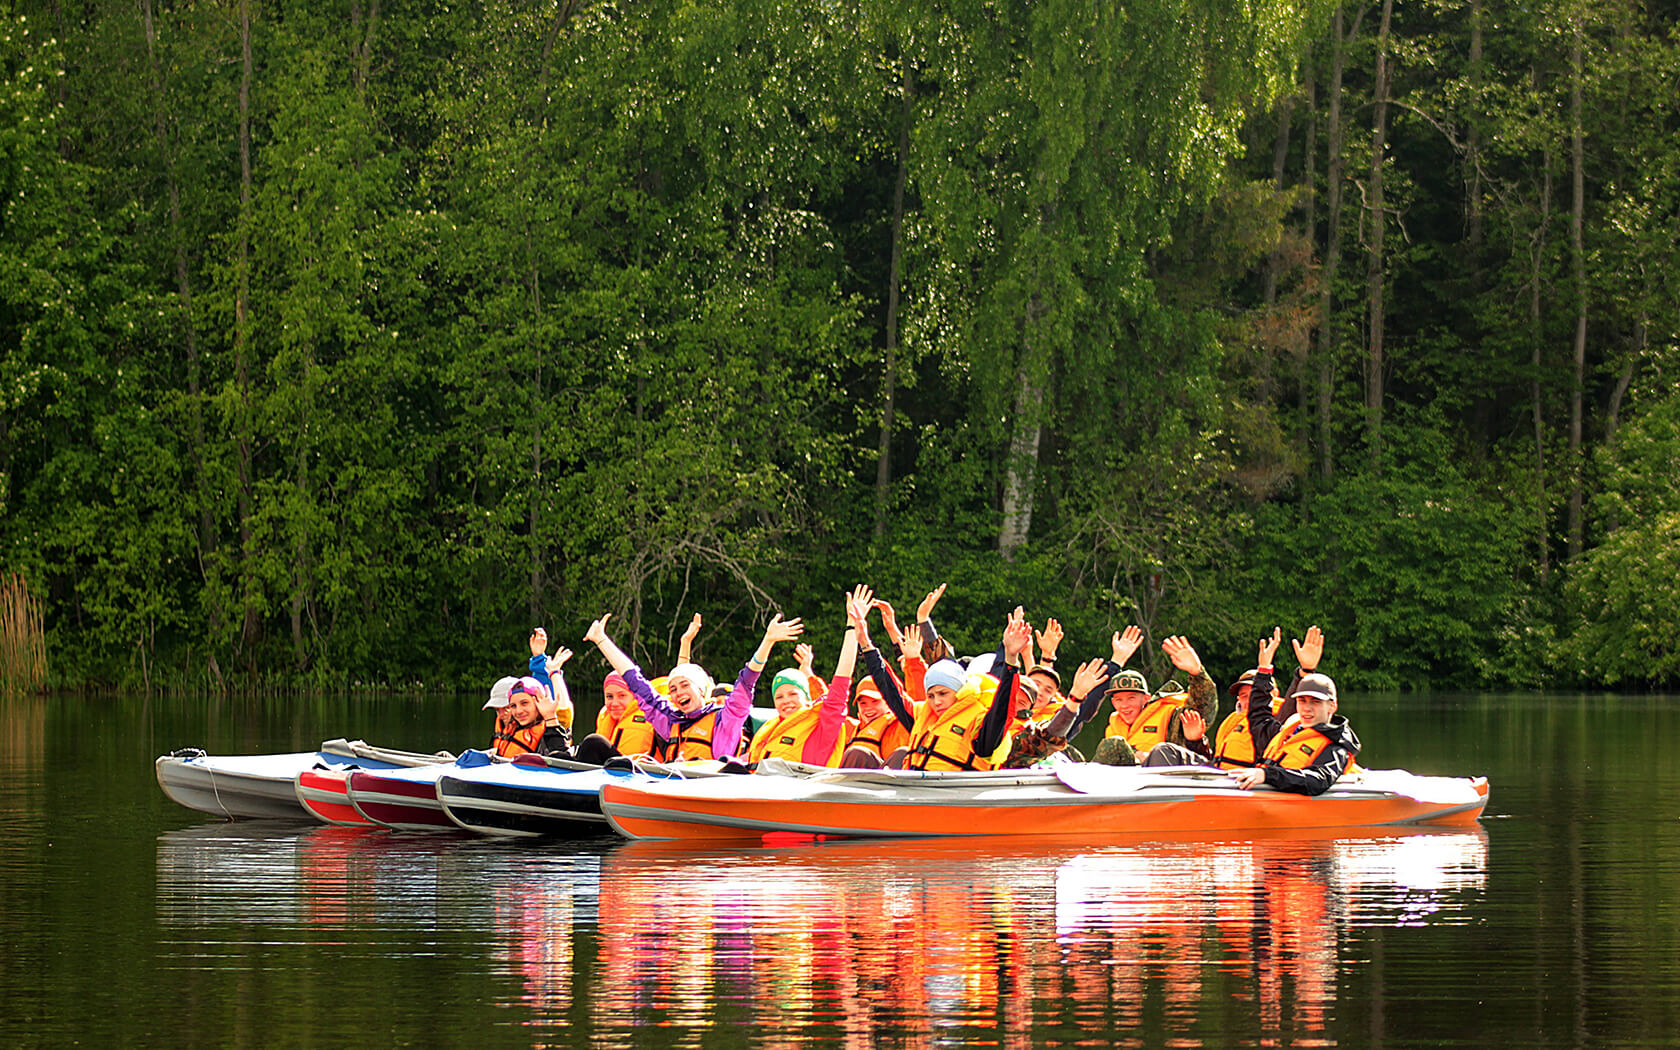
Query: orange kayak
x: 1075, y: 799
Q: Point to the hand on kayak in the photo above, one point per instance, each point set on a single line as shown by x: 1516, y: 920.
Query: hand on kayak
x: 1248, y: 779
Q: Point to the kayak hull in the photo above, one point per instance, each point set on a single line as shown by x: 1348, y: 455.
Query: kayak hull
x: 402, y: 799
x: 259, y: 786
x: 325, y: 795
x: 507, y: 800
x: 1110, y: 802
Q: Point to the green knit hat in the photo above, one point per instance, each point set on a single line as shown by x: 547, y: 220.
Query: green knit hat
x: 794, y: 677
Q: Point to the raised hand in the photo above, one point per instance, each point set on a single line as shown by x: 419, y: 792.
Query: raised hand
x: 1125, y: 643
x: 692, y: 629
x: 1310, y: 652
x: 910, y: 645
x: 780, y: 630
x: 1269, y: 647
x: 889, y: 620
x: 547, y: 705
x: 1086, y: 678
x: 858, y: 603
x: 1016, y: 634
x: 806, y: 656
x: 925, y: 610
x: 1050, y: 640
x: 539, y: 641
x: 597, y: 632
x: 1183, y: 655
x: 558, y: 660
x: 1194, y: 725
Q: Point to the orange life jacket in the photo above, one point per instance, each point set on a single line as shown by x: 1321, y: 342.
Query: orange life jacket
x: 946, y: 741
x: 786, y: 737
x: 693, y: 740
x: 1296, y: 746
x: 629, y: 734
x: 882, y: 735
x: 521, y: 741
x: 1149, y: 727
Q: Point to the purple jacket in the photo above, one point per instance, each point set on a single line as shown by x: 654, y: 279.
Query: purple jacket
x: 666, y: 719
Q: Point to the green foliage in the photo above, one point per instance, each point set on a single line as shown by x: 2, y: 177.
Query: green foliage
x: 553, y: 310
x: 1413, y: 574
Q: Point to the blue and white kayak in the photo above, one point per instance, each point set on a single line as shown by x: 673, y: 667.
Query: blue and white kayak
x: 511, y: 799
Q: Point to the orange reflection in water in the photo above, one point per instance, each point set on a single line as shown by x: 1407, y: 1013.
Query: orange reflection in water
x: 1012, y: 942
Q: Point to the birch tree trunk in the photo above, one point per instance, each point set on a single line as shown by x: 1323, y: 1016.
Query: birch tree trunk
x: 1374, y: 262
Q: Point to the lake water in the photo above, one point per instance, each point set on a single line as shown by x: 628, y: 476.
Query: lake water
x: 130, y: 921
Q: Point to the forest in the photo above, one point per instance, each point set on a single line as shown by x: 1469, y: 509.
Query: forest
x: 343, y: 341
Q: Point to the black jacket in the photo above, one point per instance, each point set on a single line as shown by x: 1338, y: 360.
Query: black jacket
x: 1325, y: 770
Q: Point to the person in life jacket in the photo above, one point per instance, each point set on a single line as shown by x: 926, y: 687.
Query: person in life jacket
x: 878, y: 734
x: 693, y: 725
x: 964, y: 723
x: 1305, y: 756
x: 814, y: 734
x: 1233, y: 747
x: 527, y: 722
x: 620, y: 728
x: 1046, y: 734
x: 1140, y: 722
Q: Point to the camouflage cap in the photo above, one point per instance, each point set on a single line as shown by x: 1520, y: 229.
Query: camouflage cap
x: 1131, y: 682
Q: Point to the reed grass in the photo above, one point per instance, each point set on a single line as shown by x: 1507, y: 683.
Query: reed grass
x: 23, y: 640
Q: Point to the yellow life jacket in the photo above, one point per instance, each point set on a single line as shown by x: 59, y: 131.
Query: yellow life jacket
x: 1149, y: 727
x: 946, y: 741
x: 1233, y: 745
x: 786, y: 738
x: 630, y: 734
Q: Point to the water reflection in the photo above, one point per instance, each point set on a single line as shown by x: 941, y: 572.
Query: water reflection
x: 849, y: 944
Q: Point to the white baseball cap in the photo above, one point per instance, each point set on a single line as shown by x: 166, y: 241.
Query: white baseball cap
x: 499, y: 693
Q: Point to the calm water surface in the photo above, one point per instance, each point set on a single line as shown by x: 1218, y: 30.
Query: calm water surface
x: 129, y: 921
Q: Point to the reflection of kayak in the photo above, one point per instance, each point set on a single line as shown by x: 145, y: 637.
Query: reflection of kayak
x: 236, y: 786
x: 1081, y: 800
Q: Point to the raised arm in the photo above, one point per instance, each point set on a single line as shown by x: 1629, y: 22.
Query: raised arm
x: 660, y: 714
x: 1016, y: 633
x: 685, y: 645
x: 933, y: 646
x: 615, y: 656
x: 858, y: 619
x: 1071, y: 716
